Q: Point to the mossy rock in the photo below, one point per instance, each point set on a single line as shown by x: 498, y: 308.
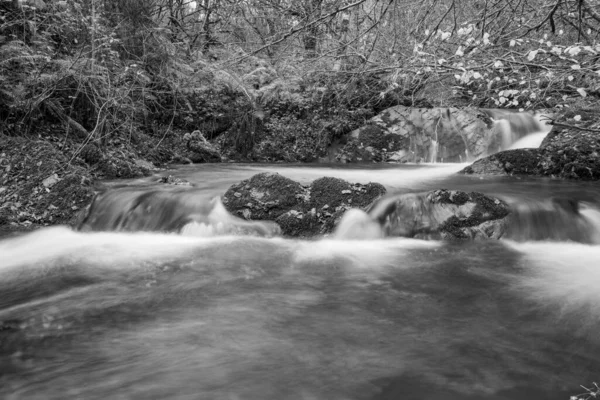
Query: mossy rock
x: 442, y: 214
x: 508, y: 162
x: 301, y: 211
x: 264, y: 196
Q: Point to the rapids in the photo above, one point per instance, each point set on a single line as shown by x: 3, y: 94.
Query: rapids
x: 147, y: 315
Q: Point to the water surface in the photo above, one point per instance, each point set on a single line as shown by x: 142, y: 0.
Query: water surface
x: 117, y: 315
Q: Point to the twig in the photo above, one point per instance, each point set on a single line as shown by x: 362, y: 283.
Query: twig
x: 573, y: 126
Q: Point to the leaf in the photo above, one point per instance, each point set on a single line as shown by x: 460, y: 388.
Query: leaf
x: 476, y: 75
x: 498, y: 64
x: 575, y: 66
x: 512, y: 43
x: 460, y: 52
x: 582, y: 92
x: 486, y: 38
x: 531, y: 55
x: 577, y: 118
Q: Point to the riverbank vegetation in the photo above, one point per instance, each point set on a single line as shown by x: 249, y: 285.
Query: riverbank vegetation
x: 121, y: 87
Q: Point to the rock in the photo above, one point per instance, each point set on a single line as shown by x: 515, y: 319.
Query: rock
x: 410, y: 134
x: 171, y: 180
x: 509, y: 162
x: 269, y: 194
x: 50, y: 181
x: 299, y: 210
x: 178, y: 159
x: 440, y: 214
x: 91, y: 154
x: 116, y: 166
x: 572, y: 153
x: 404, y: 134
x: 201, y: 150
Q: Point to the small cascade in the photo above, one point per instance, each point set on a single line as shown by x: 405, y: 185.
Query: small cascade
x: 531, y: 141
x: 517, y: 130
x: 557, y: 219
x: 190, y: 212
x: 433, y: 151
x: 507, y: 135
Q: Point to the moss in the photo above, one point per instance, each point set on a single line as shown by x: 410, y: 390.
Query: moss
x: 91, y: 154
x: 452, y: 197
x: 508, y: 162
x: 376, y: 137
x: 268, y: 195
x: 486, y: 209
x: 300, y: 211
x: 30, y: 198
x: 299, y: 225
x: 328, y: 191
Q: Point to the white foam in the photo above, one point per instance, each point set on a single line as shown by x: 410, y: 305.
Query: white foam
x: 562, y: 276
x: 96, y: 248
x: 365, y: 254
x: 404, y: 175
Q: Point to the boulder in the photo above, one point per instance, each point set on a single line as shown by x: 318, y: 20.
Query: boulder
x: 571, y: 153
x: 300, y: 210
x: 406, y: 134
x: 438, y: 134
x: 200, y: 149
x: 509, y: 162
x: 440, y: 214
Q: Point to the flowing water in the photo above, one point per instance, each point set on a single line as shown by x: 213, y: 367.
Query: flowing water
x: 147, y: 315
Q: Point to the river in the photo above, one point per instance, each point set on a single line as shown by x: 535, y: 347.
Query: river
x: 112, y: 315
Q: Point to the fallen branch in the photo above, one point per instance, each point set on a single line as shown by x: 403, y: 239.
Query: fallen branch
x: 59, y: 113
x: 573, y: 126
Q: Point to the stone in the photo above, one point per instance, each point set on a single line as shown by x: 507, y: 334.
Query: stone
x: 440, y: 134
x: 200, y: 149
x: 440, y: 214
x: 509, y: 162
x: 294, y: 206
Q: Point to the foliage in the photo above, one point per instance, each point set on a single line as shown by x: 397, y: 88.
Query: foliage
x: 279, y: 80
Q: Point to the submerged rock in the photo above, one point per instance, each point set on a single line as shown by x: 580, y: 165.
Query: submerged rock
x: 555, y: 219
x: 300, y: 210
x: 440, y: 214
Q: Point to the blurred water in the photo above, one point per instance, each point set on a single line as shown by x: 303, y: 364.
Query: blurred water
x: 140, y: 315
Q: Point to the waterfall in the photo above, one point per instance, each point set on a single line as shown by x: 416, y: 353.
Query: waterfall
x: 433, y: 151
x: 517, y: 130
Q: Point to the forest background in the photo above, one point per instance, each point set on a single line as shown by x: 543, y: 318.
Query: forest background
x: 115, y: 88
